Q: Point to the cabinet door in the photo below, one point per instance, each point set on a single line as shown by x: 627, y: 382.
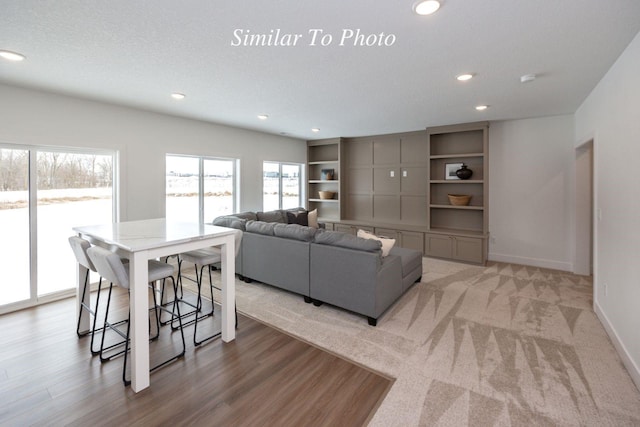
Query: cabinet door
x: 438, y: 245
x: 344, y: 228
x: 388, y: 233
x: 468, y: 249
x: 351, y: 229
x: 412, y: 240
x: 361, y: 227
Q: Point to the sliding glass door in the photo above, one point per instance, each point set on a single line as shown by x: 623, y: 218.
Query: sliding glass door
x: 14, y: 225
x: 73, y: 189
x: 43, y: 194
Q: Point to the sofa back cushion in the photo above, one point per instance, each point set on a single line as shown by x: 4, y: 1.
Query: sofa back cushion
x: 348, y: 241
x: 246, y: 215
x: 231, y: 222
x: 279, y: 216
x: 260, y: 227
x: 295, y: 232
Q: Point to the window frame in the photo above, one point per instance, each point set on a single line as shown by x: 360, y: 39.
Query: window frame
x: 301, y: 192
x: 235, y: 163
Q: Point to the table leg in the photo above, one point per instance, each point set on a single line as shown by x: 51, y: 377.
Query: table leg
x: 139, y: 318
x: 228, y: 289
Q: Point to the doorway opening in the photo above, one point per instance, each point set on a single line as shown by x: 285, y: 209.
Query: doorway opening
x: 584, y: 209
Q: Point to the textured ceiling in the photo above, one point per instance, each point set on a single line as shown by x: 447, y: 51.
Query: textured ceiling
x: 138, y: 52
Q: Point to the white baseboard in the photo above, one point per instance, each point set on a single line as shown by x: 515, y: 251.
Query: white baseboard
x: 632, y: 368
x: 534, y: 262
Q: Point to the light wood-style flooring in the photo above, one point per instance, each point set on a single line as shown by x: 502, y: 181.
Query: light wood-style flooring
x: 263, y: 378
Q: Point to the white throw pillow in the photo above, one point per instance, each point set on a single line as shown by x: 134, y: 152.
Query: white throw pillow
x: 387, y: 244
x: 312, y: 218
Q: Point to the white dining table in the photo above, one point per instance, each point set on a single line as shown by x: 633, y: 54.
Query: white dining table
x: 140, y: 241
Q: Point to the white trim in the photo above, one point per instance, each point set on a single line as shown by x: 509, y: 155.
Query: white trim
x: 627, y: 360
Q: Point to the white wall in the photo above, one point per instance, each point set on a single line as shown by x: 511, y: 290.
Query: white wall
x: 142, y: 138
x: 611, y: 116
x: 531, y: 191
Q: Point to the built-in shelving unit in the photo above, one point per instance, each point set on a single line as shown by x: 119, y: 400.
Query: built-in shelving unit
x: 324, y: 155
x: 395, y: 186
x: 458, y: 232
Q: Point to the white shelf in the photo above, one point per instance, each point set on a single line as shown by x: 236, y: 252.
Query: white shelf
x: 456, y: 181
x: 325, y: 200
x: 456, y: 156
x: 324, y: 162
x: 471, y: 207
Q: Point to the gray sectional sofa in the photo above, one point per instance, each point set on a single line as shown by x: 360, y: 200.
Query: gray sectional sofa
x: 323, y: 266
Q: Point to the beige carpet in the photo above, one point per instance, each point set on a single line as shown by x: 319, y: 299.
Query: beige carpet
x: 498, y: 345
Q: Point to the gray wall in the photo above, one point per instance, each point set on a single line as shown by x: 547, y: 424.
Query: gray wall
x: 610, y: 116
x: 142, y: 139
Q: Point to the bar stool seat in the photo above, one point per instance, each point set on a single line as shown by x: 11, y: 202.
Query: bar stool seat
x: 79, y: 247
x: 206, y: 257
x: 111, y: 267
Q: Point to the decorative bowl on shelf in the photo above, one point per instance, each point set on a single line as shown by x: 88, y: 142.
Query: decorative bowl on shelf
x: 459, y: 199
x: 327, y: 174
x: 326, y: 195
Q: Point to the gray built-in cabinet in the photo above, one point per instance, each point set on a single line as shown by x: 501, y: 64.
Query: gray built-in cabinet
x: 395, y: 186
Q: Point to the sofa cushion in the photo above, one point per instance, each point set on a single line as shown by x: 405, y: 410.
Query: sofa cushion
x: 246, y: 215
x: 260, y: 227
x: 294, y: 231
x: 387, y: 243
x: 273, y: 216
x: 231, y: 222
x: 411, y: 259
x: 344, y: 240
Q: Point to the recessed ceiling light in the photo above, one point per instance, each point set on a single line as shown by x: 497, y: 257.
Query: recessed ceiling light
x: 263, y: 116
x: 482, y: 107
x: 11, y: 56
x: 315, y: 129
x: 464, y: 77
x: 178, y: 95
x: 527, y: 78
x: 426, y: 7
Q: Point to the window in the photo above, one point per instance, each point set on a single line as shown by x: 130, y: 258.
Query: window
x: 281, y: 184
x: 44, y: 193
x: 200, y: 188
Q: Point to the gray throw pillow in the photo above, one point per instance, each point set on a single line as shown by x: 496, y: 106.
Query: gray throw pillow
x: 273, y: 216
x: 294, y: 231
x: 344, y: 240
x: 260, y: 227
x: 301, y: 218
